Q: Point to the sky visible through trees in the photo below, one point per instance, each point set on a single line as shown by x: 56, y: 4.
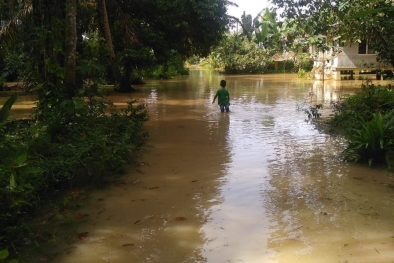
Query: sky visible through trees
x: 251, y: 7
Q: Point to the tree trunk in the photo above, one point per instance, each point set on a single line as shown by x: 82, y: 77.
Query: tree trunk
x: 11, y: 9
x: 71, y: 46
x: 108, y: 38
x: 51, y: 12
x: 125, y: 85
x: 36, y: 48
x: 47, y: 57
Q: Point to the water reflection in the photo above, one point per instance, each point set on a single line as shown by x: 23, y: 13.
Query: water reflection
x: 259, y: 184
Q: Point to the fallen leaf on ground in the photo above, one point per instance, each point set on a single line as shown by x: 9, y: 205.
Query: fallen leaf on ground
x: 83, y: 236
x: 127, y: 245
x: 180, y: 218
x: 79, y: 215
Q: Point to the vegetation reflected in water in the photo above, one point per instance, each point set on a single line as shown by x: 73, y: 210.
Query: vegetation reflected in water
x: 259, y: 184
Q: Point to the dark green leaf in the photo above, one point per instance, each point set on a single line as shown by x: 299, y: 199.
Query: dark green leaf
x: 4, y: 112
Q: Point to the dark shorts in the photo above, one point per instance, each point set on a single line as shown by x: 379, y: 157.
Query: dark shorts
x: 225, y: 107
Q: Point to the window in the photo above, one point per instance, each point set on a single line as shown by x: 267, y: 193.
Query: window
x: 363, y: 48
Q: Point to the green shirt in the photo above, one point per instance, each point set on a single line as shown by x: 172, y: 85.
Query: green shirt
x: 223, y: 96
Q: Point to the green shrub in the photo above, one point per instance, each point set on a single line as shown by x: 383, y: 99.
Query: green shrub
x: 366, y: 119
x: 301, y: 73
x: 13, y: 66
x: 373, y: 142
x: 352, y: 111
x: 77, y: 143
x: 194, y: 60
x: 236, y: 55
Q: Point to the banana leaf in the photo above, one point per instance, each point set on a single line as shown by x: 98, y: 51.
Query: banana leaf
x: 5, y: 110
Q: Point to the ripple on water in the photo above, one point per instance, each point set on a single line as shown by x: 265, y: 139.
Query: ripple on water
x: 259, y: 184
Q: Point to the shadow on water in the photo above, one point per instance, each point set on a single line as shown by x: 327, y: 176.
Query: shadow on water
x: 259, y: 184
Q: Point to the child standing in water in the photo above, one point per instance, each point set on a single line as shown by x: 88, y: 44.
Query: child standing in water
x: 223, y: 97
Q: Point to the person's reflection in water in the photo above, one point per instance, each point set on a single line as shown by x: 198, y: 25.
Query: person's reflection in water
x: 223, y: 131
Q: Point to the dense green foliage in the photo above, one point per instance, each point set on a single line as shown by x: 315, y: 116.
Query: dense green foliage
x: 354, y: 110
x: 260, y: 45
x: 373, y: 143
x: 236, y: 55
x: 341, y: 23
x: 12, y: 66
x: 142, y: 36
x: 40, y: 158
x: 367, y: 121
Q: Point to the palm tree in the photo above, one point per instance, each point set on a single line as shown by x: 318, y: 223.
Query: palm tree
x: 248, y: 25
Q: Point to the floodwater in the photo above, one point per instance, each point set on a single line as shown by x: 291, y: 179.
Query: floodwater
x: 257, y: 185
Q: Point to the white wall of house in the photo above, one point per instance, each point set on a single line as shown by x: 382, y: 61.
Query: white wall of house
x: 348, y: 59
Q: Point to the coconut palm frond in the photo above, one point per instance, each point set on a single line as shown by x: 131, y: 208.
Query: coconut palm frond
x: 230, y: 3
x: 9, y: 28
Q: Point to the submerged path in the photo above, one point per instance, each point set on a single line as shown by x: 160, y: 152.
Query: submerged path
x: 259, y: 184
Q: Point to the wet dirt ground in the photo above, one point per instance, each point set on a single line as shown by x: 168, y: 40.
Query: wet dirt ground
x: 258, y: 184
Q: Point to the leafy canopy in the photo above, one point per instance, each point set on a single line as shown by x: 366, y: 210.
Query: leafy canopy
x: 346, y: 21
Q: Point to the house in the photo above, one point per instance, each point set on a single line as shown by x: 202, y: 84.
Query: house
x: 355, y: 58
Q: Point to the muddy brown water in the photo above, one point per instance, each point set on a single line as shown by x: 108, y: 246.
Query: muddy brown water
x: 259, y: 184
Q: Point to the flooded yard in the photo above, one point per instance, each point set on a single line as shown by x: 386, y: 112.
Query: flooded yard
x: 257, y: 185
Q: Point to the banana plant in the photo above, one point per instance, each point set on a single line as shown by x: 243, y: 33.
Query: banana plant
x: 263, y: 26
x: 249, y: 25
x: 268, y: 27
x: 273, y: 34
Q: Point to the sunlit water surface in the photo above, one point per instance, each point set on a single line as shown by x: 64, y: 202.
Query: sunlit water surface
x: 259, y: 184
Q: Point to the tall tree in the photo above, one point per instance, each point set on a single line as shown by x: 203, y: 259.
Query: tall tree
x: 71, y: 46
x: 185, y: 27
x: 102, y: 7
